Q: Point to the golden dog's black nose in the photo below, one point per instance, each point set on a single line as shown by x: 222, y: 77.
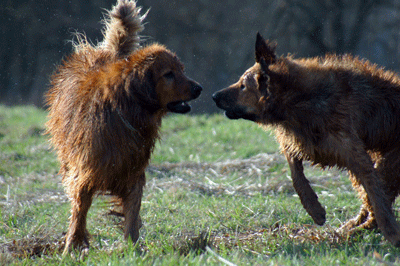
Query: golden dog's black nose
x: 196, y: 90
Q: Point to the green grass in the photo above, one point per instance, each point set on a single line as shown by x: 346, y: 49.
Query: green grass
x: 210, y: 138
x: 218, y: 192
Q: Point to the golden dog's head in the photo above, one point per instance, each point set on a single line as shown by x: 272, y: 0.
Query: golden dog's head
x: 173, y: 88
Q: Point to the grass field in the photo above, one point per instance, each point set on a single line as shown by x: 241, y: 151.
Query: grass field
x: 218, y: 193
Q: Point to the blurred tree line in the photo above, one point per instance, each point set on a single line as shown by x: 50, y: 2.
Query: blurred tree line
x: 214, y: 39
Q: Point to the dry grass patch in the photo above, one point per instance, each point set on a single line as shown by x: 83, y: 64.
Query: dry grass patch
x: 263, y: 173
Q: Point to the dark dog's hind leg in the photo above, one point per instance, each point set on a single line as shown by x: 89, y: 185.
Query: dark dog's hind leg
x: 366, y: 217
x: 387, y: 166
x: 361, y: 166
x: 307, y: 195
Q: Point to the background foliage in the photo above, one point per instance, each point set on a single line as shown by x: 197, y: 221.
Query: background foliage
x: 214, y: 39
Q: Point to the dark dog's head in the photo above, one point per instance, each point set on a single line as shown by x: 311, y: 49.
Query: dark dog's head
x: 172, y: 87
x: 247, y: 98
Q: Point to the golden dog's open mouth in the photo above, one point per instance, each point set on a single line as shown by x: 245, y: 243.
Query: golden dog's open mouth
x: 180, y: 107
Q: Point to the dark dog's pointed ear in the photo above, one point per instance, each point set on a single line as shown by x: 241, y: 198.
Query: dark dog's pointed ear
x: 264, y: 66
x: 265, y: 77
x: 264, y: 50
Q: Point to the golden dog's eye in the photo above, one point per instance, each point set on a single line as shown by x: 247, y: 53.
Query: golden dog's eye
x: 242, y: 87
x: 169, y: 75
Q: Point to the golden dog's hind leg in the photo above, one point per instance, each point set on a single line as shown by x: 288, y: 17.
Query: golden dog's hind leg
x: 77, y: 235
x: 131, y: 207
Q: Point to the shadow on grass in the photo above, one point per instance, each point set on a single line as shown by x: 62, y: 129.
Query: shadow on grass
x: 304, y: 240
x: 31, y: 246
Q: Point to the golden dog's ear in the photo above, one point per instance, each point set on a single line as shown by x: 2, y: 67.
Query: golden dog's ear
x: 265, y: 50
x: 143, y: 90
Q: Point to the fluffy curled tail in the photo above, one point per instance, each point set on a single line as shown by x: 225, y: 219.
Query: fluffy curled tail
x: 122, y: 27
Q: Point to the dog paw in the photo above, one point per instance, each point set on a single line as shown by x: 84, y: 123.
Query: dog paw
x: 316, y: 211
x: 319, y: 217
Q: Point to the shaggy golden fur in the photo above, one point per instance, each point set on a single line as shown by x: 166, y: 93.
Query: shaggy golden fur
x: 105, y: 109
x: 333, y: 111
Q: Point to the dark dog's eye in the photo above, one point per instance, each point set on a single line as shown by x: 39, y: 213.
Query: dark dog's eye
x: 169, y: 75
x: 242, y: 87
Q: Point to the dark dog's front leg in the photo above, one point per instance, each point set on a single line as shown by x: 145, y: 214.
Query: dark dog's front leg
x: 307, y: 195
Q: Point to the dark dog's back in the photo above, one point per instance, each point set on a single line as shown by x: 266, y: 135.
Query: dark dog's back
x: 334, y: 97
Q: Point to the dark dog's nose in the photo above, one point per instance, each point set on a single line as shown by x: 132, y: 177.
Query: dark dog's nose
x: 196, y: 90
x: 216, y: 97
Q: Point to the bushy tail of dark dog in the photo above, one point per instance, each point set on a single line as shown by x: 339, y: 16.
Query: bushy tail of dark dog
x: 122, y: 27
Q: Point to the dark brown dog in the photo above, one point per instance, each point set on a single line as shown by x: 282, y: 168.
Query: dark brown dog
x: 105, y: 109
x: 333, y: 111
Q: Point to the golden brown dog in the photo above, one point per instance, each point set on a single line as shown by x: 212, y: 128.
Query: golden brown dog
x: 105, y: 109
x: 333, y: 111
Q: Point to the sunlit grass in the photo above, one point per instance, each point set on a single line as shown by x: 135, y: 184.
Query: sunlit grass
x: 208, y: 138
x: 218, y: 191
